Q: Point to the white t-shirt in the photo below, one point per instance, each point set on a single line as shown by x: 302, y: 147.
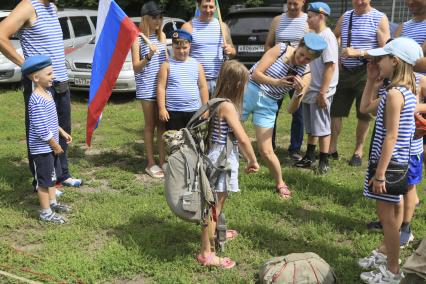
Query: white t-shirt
x: 317, y: 66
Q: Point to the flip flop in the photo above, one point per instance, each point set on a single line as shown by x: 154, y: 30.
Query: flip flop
x: 155, y: 172
x: 225, y: 262
x: 283, y: 191
x: 231, y: 234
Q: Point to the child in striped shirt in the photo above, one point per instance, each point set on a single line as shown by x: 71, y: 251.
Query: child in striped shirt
x: 43, y: 136
x: 182, y: 86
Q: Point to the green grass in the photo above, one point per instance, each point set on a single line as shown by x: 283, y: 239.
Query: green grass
x: 121, y: 227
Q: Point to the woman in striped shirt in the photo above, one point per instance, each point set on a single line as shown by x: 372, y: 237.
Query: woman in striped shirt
x: 147, y: 58
x: 279, y: 70
x: 392, y: 141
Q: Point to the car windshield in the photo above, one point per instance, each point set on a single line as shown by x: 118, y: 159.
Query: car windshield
x: 247, y: 24
x: 13, y: 36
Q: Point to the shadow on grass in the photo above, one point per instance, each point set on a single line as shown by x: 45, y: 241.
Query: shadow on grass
x: 128, y: 160
x: 159, y: 238
x: 300, y: 215
x: 15, y: 185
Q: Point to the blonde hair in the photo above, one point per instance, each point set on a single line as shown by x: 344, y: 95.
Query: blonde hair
x: 144, y: 27
x: 403, y: 75
x: 231, y: 82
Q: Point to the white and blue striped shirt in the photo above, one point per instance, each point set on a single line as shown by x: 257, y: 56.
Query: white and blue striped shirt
x: 278, y: 70
x: 146, y: 79
x: 415, y: 30
x: 43, y: 123
x: 182, y: 91
x: 401, y: 150
x: 364, y: 34
x: 206, y: 46
x: 45, y: 38
x: 291, y: 30
x: 220, y: 130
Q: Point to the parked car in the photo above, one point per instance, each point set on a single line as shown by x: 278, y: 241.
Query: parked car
x: 249, y: 28
x: 79, y: 62
x: 78, y: 27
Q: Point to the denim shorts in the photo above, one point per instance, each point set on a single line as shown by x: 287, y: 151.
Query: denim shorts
x: 214, y: 154
x: 415, y: 169
x: 263, y: 107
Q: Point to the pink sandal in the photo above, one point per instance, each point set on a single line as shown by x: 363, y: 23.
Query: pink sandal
x: 283, y: 191
x: 231, y: 234
x: 225, y: 262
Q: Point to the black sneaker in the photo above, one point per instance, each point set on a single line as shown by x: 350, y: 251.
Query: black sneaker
x: 334, y: 155
x: 304, y: 163
x: 375, y: 226
x: 355, y: 161
x: 322, y: 168
x: 295, y: 155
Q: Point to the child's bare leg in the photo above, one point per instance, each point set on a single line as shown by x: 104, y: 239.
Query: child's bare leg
x: 148, y: 132
x: 43, y: 197
x: 160, y: 143
x: 391, y: 218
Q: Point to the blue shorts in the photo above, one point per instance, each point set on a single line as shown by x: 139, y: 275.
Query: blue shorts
x: 263, y: 107
x: 415, y: 169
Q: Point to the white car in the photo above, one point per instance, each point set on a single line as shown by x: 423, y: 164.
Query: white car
x: 78, y: 27
x: 79, y: 62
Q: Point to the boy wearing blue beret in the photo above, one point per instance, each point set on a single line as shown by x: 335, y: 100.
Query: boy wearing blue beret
x: 317, y: 100
x: 182, y: 86
x: 43, y: 137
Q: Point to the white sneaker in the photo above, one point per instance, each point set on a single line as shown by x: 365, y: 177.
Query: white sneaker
x: 373, y: 261
x: 381, y: 276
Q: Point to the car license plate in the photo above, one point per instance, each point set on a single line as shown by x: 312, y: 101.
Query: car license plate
x: 251, y: 48
x: 82, y: 81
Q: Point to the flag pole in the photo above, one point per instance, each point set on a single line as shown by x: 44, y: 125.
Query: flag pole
x: 222, y: 28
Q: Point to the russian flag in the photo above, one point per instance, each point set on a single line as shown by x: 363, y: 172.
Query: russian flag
x: 115, y: 33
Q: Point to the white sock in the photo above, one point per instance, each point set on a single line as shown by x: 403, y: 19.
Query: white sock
x: 45, y: 211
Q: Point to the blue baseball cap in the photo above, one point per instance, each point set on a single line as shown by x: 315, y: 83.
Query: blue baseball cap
x: 319, y: 7
x: 314, y: 42
x: 182, y: 34
x: 35, y: 63
x: 404, y: 48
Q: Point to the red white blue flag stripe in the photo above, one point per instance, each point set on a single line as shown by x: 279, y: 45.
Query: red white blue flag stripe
x: 115, y: 33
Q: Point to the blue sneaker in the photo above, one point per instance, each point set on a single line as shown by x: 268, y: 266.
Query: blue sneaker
x: 72, y: 182
x: 405, y: 237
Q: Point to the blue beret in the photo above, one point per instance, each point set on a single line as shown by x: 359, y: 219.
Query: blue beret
x: 319, y: 7
x: 35, y: 63
x: 182, y: 34
x: 314, y: 42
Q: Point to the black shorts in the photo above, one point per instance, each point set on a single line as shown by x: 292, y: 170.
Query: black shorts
x: 351, y: 86
x: 47, y: 168
x: 178, y: 119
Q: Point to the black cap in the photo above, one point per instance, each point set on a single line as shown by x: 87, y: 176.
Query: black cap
x: 151, y: 8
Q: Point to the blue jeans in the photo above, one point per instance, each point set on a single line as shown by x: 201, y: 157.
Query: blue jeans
x: 63, y: 108
x: 296, y: 132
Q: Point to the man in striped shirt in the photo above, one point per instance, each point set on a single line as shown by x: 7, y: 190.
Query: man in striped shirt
x: 360, y: 29
x: 36, y: 22
x: 208, y: 46
x: 415, y: 28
